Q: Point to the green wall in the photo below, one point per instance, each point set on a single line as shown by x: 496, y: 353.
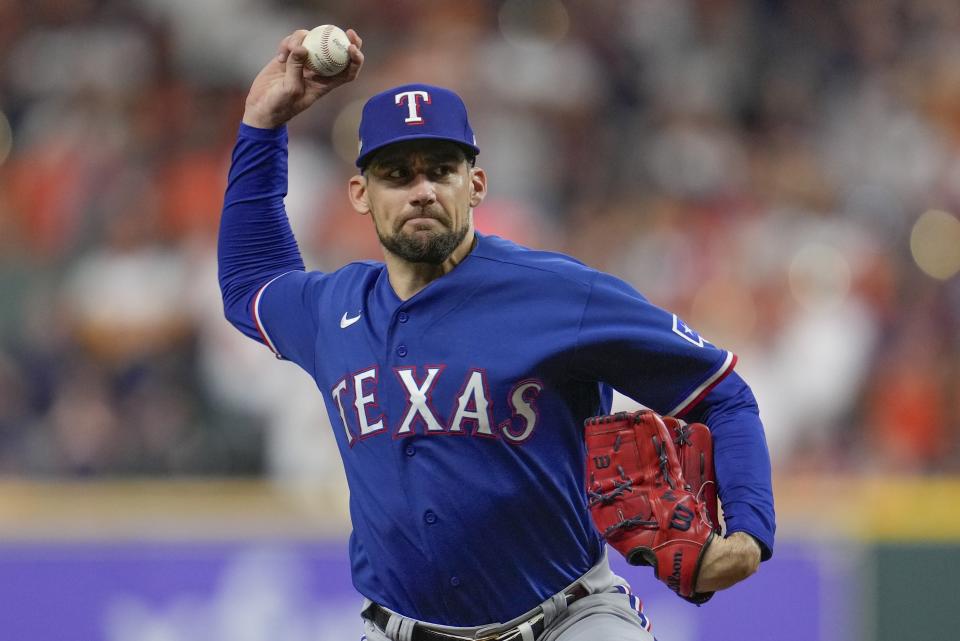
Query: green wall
x: 917, y: 592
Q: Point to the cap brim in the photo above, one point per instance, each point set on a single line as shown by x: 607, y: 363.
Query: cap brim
x: 365, y: 156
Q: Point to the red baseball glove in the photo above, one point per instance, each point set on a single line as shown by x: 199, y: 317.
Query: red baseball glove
x: 641, y: 500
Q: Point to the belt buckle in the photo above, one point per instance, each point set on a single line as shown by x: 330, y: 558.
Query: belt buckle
x: 491, y: 637
x: 514, y: 633
x: 574, y: 594
x: 577, y: 592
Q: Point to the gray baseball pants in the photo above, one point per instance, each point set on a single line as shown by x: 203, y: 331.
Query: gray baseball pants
x: 609, y: 612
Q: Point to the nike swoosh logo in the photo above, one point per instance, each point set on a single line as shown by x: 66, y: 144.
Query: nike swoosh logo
x: 346, y: 321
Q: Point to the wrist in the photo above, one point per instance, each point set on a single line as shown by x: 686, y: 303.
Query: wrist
x: 258, y: 121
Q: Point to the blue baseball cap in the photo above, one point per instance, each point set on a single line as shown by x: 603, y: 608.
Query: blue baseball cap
x: 413, y: 112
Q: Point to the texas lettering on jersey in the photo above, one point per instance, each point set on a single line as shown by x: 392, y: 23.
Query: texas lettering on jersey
x: 356, y: 397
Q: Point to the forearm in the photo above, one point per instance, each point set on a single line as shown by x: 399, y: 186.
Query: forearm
x: 728, y: 561
x: 741, y: 459
x: 256, y: 242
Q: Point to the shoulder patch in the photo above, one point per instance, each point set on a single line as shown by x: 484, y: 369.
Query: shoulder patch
x: 685, y: 332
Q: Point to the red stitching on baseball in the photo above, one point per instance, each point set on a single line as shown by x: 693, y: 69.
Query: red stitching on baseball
x: 324, y: 49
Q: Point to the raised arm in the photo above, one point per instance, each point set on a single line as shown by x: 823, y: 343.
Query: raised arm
x: 256, y: 243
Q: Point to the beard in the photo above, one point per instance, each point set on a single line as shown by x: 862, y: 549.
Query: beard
x: 424, y: 246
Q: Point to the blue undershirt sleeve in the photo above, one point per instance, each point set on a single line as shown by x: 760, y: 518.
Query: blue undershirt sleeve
x: 741, y: 459
x: 256, y: 243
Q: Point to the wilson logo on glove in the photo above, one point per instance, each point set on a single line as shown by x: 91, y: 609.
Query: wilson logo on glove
x: 682, y: 518
x: 601, y: 462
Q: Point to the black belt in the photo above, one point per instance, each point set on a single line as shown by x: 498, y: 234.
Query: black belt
x: 381, y: 617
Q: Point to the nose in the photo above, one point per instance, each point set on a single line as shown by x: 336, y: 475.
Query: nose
x: 422, y: 192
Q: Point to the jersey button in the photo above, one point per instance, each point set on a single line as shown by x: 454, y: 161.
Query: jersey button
x: 403, y: 317
x: 410, y: 450
x: 429, y: 517
x: 402, y: 350
x: 454, y: 581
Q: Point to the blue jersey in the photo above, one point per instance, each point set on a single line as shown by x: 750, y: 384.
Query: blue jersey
x: 458, y: 412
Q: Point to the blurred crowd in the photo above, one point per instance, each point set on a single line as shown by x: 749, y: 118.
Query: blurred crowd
x: 784, y: 175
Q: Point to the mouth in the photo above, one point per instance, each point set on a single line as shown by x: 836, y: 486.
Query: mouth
x: 421, y: 220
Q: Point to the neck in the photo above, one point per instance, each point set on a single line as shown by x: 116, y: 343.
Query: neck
x: 408, y: 278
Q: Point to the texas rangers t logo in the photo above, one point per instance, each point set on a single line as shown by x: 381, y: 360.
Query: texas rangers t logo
x: 412, y: 100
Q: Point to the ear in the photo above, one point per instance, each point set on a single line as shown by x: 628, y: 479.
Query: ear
x: 478, y: 186
x: 358, y: 194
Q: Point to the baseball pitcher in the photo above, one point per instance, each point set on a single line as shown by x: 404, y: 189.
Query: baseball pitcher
x: 469, y: 381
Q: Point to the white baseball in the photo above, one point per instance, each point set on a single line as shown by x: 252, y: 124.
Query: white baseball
x: 327, y: 49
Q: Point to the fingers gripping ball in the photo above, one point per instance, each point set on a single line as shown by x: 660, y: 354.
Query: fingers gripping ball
x: 639, y: 500
x: 327, y: 50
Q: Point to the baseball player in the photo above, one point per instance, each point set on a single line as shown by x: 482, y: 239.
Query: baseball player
x: 458, y: 374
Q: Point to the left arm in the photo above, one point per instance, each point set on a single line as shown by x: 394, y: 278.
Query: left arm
x: 744, y: 481
x: 650, y: 355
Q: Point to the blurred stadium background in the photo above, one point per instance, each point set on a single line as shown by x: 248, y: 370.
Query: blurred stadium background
x: 785, y: 175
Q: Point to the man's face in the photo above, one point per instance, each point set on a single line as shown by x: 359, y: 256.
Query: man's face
x: 420, y: 194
